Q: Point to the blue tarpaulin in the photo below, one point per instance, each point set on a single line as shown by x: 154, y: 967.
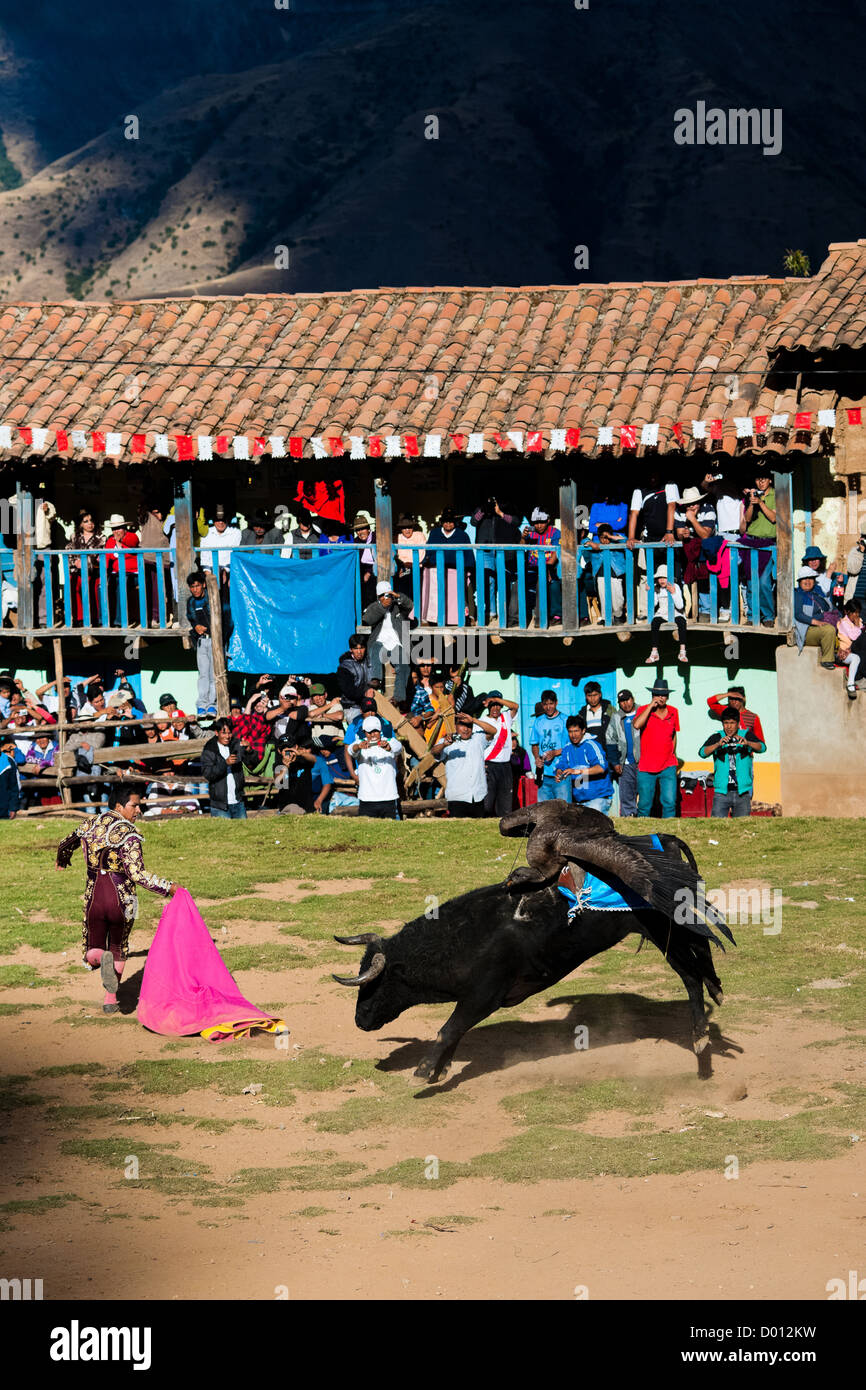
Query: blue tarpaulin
x: 290, y: 615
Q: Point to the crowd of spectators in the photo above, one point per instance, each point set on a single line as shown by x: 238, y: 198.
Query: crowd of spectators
x: 701, y: 523
x: 300, y: 745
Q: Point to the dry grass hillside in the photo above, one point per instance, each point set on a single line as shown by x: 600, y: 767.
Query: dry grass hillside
x: 556, y: 130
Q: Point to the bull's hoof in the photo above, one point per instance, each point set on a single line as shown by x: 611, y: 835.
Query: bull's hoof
x: 431, y: 1071
x: 701, y: 1042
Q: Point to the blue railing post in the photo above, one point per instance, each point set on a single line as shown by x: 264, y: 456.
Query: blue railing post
x: 522, y: 615
x: 501, y: 589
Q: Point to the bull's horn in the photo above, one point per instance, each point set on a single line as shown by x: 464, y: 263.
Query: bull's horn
x: 366, y: 938
x: 377, y: 965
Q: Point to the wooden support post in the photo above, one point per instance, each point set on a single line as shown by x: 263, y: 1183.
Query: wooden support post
x: 185, y: 538
x: 568, y: 553
x: 384, y: 531
x: 784, y: 551
x: 216, y: 636
x: 65, y: 793
x: 25, y: 521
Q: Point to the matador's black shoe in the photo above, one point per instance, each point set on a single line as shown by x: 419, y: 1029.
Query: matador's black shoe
x: 110, y: 978
x: 111, y: 1008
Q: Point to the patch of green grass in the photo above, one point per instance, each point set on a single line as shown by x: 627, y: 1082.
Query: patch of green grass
x: 571, y: 1105
x: 14, y: 1097
x: 12, y: 1010
x: 268, y: 955
x: 315, y: 1211
x: 547, y: 1152
x: 34, y: 1206
x: 454, y: 1220
x: 398, y: 1106
x: 280, y: 1080
x: 308, y: 1177
x: 22, y: 977
x: 159, y: 1170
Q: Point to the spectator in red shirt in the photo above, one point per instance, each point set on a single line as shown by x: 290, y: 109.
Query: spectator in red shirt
x: 658, y: 724
x: 735, y: 698
x: 254, y: 730
x: 122, y: 538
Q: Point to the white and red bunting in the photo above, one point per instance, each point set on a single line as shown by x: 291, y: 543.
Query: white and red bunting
x: 362, y: 446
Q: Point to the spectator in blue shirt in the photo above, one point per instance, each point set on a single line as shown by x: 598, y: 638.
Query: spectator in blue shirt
x: 547, y: 738
x: 584, y: 765
x: 609, y: 510
x: 606, y: 534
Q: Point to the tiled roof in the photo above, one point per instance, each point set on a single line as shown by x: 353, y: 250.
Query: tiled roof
x: 396, y: 361
x: 831, y: 313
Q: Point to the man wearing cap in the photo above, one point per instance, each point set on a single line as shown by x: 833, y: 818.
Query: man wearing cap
x: 626, y: 712
x: 325, y: 714
x: 368, y: 706
x: 813, y: 626
x: 735, y: 698
x: 388, y: 618
x: 376, y: 761
x: 462, y: 755
x: 658, y: 724
x: 497, y: 758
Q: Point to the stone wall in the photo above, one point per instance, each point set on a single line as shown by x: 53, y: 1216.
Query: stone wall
x: 822, y: 739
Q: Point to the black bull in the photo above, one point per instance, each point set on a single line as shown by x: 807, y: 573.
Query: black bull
x: 491, y: 949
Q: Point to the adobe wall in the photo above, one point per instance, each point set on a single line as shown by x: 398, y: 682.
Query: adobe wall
x: 822, y: 739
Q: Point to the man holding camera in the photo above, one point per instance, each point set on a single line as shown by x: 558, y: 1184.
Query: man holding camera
x: 758, y: 528
x: 388, y: 617
x: 376, y: 762
x: 733, y: 753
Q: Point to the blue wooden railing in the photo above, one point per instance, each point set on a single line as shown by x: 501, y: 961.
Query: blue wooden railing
x: 493, y: 584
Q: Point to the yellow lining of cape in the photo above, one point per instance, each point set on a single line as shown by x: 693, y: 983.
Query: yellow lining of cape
x: 241, y: 1027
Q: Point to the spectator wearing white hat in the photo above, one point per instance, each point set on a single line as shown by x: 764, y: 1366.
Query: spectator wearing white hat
x: 388, y: 618
x: 376, y: 761
x: 541, y: 532
x: 814, y: 620
x: 665, y: 591
x: 121, y: 574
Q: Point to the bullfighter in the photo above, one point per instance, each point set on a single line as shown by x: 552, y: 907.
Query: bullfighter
x: 112, y: 847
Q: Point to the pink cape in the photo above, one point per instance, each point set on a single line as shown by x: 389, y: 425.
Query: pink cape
x: 187, y: 987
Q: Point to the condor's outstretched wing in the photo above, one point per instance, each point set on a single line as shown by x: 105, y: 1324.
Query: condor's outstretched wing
x: 664, y: 882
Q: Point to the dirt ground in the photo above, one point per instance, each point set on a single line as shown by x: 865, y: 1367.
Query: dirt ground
x: 779, y: 1230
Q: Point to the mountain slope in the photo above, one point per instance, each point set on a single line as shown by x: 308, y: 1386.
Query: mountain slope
x: 555, y: 130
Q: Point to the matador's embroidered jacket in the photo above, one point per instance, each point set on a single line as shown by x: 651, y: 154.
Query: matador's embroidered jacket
x: 112, y: 845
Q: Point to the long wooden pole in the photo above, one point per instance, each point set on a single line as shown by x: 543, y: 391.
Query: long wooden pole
x: 216, y: 636
x: 65, y: 793
x: 568, y: 553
